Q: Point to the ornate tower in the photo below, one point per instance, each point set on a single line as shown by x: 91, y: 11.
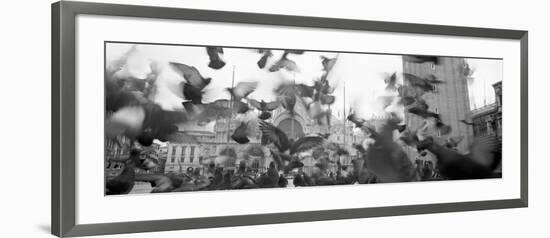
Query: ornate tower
x: 450, y: 100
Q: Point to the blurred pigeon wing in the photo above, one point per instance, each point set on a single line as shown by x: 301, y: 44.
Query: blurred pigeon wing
x: 327, y: 99
x: 483, y: 149
x: 127, y: 119
x: 243, y: 89
x: 277, y: 159
x: 328, y: 63
x: 391, y: 81
x: 275, y: 135
x: 304, y: 90
x: 306, y: 143
x: 272, y: 106
x: 255, y: 104
x: 191, y: 75
x: 263, y: 60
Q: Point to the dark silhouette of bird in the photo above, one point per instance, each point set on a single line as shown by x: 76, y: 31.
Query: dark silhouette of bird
x: 241, y: 134
x: 409, y: 94
x: 264, y: 115
x: 263, y: 60
x: 293, y: 164
x: 284, y: 63
x: 283, y: 182
x: 265, y: 108
x: 322, y: 87
x: 391, y: 82
x: 214, y: 53
x: 480, y: 162
x: 421, y: 108
x: 327, y: 99
x: 303, y: 90
x: 270, y: 179
x: 195, y: 82
x: 444, y: 129
x: 159, y: 123
x: 263, y: 105
x: 426, y: 84
x: 401, y: 127
x: 328, y: 63
x: 419, y: 59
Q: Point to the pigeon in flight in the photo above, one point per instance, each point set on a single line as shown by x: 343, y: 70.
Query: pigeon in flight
x: 214, y: 53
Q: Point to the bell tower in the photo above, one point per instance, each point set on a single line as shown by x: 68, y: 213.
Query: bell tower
x: 450, y: 99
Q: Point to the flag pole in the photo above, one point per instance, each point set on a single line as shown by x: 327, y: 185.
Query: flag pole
x: 292, y: 114
x: 231, y: 107
x: 345, y: 134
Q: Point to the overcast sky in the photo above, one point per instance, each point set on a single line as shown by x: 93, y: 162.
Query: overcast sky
x: 486, y: 73
x: 363, y: 74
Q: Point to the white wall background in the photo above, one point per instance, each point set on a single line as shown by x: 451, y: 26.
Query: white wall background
x: 25, y: 101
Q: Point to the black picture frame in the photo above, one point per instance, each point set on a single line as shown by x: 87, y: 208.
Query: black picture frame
x: 64, y: 107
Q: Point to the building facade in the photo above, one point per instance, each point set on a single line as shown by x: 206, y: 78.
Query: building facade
x: 188, y: 148
x: 487, y: 120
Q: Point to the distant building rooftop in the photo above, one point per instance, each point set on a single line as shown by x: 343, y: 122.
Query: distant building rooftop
x: 484, y: 110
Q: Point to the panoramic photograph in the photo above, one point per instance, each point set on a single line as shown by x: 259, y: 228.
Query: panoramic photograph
x: 183, y: 118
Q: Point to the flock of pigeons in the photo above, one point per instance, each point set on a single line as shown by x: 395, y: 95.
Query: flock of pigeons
x: 132, y: 113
